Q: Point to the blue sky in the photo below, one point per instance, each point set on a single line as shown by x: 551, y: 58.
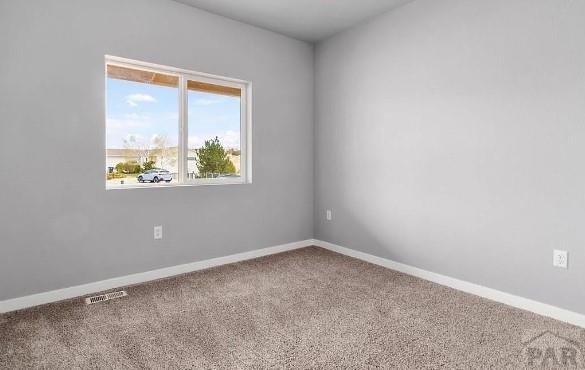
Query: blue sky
x: 140, y: 113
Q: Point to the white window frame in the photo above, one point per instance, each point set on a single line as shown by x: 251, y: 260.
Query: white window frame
x: 183, y: 121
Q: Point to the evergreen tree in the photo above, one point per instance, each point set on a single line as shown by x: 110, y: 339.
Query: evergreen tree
x: 213, y: 158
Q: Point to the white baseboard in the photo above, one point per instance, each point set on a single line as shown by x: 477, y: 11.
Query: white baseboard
x: 81, y: 290
x: 492, y: 294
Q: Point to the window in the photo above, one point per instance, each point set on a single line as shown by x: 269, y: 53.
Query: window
x: 166, y: 126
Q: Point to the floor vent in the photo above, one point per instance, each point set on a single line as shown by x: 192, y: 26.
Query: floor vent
x: 105, y: 297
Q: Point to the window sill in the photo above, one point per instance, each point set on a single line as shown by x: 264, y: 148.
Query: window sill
x: 175, y: 185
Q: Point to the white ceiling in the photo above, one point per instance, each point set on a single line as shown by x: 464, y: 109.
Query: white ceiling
x: 308, y: 20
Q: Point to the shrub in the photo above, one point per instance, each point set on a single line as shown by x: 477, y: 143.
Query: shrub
x: 118, y: 175
x: 128, y: 167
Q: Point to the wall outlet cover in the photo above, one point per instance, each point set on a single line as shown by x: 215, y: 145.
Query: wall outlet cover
x: 560, y: 258
x: 158, y: 232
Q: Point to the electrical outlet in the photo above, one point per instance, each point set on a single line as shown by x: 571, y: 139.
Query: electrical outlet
x: 158, y: 232
x: 328, y: 215
x: 560, y: 258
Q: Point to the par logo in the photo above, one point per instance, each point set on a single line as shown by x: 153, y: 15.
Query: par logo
x: 555, y: 350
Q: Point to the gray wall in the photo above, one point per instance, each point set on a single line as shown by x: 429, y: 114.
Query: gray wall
x: 59, y: 227
x: 451, y: 137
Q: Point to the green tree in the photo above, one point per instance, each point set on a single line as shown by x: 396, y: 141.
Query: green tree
x: 230, y: 168
x: 148, y: 165
x: 213, y: 158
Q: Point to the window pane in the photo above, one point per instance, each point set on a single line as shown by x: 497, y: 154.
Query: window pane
x: 214, y: 131
x: 141, y: 127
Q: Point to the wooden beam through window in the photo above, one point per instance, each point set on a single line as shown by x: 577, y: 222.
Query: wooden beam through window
x: 213, y: 89
x: 161, y: 79
x: 137, y: 75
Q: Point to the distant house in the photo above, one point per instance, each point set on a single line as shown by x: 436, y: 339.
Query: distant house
x: 115, y: 156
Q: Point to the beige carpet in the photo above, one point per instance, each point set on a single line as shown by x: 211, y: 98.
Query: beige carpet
x: 308, y: 308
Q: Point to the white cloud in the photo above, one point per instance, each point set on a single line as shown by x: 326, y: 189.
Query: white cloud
x: 195, y: 142
x: 114, y: 124
x: 205, y: 102
x: 171, y: 115
x: 229, y: 140
x: 213, y: 119
x: 136, y: 116
x: 134, y: 99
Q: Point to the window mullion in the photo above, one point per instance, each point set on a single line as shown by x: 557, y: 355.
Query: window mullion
x: 183, y: 130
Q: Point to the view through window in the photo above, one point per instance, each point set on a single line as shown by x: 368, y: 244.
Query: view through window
x: 166, y: 127
x: 214, y: 131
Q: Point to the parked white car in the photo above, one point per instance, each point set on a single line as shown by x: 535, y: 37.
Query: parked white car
x: 155, y: 175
